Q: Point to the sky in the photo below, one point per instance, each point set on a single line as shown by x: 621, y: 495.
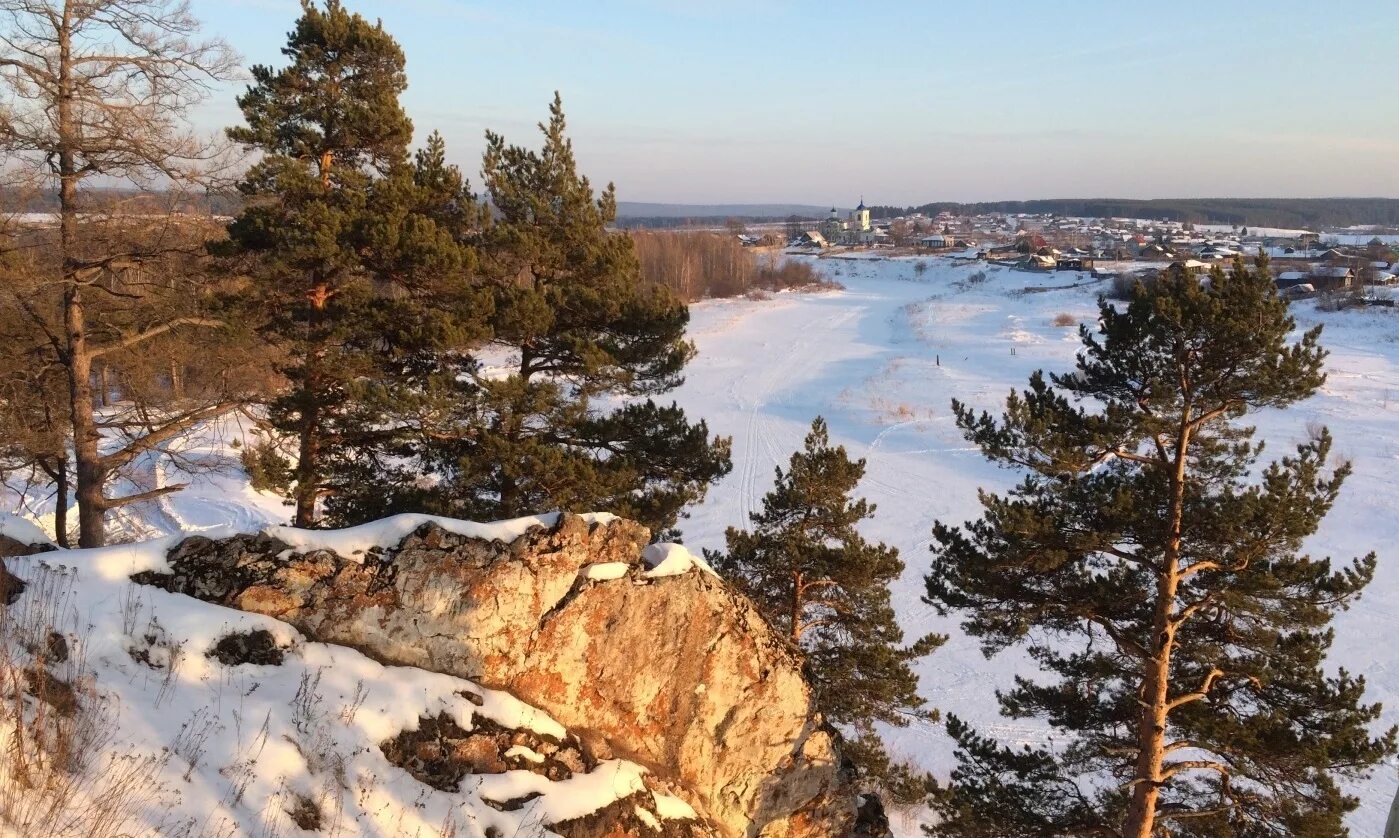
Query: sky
x: 901, y: 103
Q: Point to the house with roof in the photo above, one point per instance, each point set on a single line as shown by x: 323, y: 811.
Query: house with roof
x: 1333, y: 278
x: 1188, y: 267
x: 937, y: 241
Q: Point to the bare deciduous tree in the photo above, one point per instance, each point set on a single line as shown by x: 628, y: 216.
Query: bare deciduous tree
x: 98, y: 93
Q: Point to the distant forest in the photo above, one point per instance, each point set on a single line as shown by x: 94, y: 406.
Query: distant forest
x: 1305, y: 213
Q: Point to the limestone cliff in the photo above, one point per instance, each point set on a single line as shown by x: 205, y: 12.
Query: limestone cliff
x: 641, y: 653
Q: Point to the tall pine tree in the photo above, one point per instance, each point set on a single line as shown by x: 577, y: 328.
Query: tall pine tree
x: 360, y: 259
x: 1153, y: 569
x: 563, y: 417
x: 819, y: 582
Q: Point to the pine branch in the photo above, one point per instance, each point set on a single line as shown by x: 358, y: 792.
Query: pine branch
x: 1206, y: 685
x: 1174, y: 768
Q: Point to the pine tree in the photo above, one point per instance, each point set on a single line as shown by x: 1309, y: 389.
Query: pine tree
x: 361, y: 258
x: 1151, y: 565
x: 820, y: 583
x: 569, y: 422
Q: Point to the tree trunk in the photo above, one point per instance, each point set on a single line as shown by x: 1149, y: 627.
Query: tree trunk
x: 308, y: 464
x: 307, y: 483
x: 796, y: 608
x: 88, y: 470
x: 177, y: 381
x: 1156, y: 675
x: 57, y: 470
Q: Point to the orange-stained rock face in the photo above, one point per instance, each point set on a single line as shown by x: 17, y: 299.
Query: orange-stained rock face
x: 679, y: 674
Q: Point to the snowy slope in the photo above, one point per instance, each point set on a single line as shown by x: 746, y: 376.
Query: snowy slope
x: 177, y: 742
x: 881, y: 361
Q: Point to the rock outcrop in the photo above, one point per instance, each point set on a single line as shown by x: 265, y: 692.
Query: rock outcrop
x: 672, y: 670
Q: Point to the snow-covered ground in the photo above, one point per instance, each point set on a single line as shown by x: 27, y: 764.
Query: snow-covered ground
x: 881, y: 361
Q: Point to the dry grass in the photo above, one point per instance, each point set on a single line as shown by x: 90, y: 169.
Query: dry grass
x: 1064, y: 320
x: 59, y: 777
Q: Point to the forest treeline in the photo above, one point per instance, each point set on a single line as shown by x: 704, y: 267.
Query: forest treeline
x: 1314, y: 214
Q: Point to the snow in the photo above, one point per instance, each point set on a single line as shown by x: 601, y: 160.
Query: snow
x: 22, y: 530
x: 881, y: 361
x: 671, y: 560
x: 1358, y: 240
x: 673, y: 808
x: 387, y: 532
x: 564, y: 799
x: 1266, y: 232
x: 606, y: 571
x: 524, y: 752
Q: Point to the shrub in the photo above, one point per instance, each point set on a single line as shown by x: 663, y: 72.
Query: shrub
x: 267, y: 468
x: 696, y: 266
x: 1064, y: 320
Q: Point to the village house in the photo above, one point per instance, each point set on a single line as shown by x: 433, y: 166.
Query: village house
x: 1333, y: 278
x: 1074, y: 263
x: 937, y: 241
x: 1292, y: 279
x: 1188, y: 267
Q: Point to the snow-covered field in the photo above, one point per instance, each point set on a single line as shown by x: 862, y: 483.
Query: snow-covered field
x: 881, y: 361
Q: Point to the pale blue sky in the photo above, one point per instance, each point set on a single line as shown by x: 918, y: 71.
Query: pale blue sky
x: 712, y: 101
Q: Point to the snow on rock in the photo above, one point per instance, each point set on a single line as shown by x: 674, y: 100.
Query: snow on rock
x: 387, y: 532
x: 606, y: 571
x: 22, y: 531
x: 673, y: 671
x: 525, y: 752
x: 672, y: 560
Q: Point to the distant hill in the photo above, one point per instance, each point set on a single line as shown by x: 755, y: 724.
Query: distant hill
x: 640, y: 214
x: 1308, y: 213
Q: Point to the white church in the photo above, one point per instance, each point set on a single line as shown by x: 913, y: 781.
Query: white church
x: 854, y: 229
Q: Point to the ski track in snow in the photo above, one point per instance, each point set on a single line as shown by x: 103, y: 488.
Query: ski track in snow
x: 881, y: 361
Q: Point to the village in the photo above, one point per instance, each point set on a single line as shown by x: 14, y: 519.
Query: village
x: 1352, y: 263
